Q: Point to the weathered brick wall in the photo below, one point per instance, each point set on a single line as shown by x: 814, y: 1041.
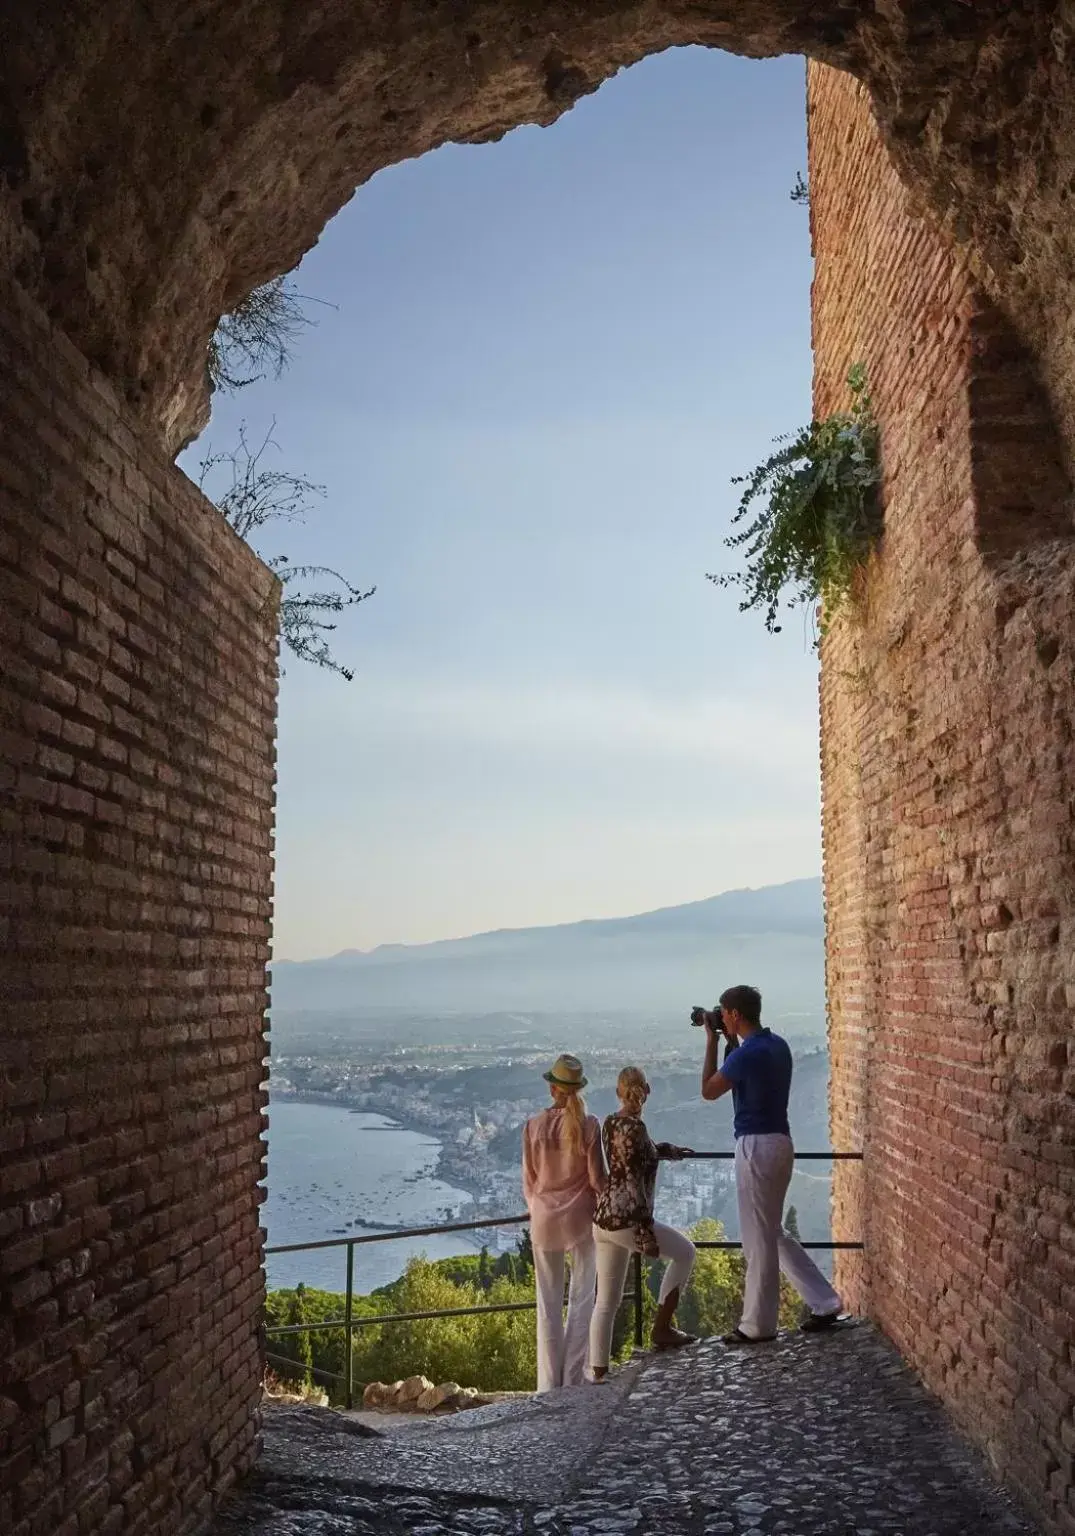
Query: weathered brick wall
x: 948, y: 715
x: 137, y: 696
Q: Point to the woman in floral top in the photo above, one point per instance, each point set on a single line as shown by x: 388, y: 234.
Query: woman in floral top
x: 624, y: 1224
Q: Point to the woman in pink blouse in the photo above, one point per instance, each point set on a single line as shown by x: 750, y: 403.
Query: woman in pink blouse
x: 563, y: 1174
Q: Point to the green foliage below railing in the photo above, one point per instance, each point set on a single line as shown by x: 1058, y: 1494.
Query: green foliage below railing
x: 494, y: 1353
x: 821, y: 516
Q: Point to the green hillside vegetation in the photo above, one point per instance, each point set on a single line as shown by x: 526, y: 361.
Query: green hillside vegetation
x: 494, y: 1352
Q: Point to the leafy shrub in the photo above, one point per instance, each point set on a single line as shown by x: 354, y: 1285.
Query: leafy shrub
x: 821, y: 514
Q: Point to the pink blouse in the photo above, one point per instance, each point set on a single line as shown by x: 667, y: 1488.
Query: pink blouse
x: 560, y: 1187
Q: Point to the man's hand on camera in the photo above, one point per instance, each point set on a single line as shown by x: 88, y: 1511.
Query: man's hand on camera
x: 714, y: 1082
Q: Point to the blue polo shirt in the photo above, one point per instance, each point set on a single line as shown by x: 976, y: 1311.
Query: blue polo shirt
x: 760, y: 1071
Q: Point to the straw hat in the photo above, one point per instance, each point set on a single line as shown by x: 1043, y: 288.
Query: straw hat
x: 566, y: 1072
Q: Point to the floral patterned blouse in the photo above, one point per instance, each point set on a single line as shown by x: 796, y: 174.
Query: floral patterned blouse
x: 632, y: 1160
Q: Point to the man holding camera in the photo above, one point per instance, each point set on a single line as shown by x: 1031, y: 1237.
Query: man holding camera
x: 757, y: 1072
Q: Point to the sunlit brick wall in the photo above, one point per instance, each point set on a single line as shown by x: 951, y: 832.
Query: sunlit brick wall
x: 137, y: 697
x: 948, y: 716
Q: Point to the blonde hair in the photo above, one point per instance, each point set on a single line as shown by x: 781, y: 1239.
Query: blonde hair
x: 631, y: 1087
x: 572, y: 1103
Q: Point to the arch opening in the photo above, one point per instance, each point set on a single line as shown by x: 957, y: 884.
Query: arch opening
x: 148, y: 181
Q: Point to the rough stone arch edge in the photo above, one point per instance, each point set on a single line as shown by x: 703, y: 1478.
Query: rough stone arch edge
x: 152, y: 175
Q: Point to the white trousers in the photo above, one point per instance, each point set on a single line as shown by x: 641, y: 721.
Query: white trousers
x: 614, y: 1250
x: 763, y: 1166
x: 561, y: 1351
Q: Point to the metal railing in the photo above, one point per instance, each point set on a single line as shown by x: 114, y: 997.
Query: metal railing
x: 349, y: 1323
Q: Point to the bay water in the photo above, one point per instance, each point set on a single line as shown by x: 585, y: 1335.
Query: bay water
x: 330, y: 1167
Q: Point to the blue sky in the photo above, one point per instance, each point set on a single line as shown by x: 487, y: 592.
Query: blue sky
x: 547, y: 359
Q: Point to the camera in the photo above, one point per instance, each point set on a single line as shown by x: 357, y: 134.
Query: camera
x: 700, y: 1016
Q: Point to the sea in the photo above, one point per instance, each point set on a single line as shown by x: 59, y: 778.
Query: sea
x: 330, y: 1167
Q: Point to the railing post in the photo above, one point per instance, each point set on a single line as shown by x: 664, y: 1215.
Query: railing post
x: 638, y: 1300
x: 348, y: 1361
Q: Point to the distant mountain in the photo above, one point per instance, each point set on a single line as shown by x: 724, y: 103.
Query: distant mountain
x: 676, y: 956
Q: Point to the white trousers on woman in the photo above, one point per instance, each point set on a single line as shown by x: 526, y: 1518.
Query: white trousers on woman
x: 614, y: 1250
x: 561, y: 1351
x: 763, y: 1167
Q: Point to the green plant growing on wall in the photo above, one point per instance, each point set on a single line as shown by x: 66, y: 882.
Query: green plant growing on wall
x: 820, y: 516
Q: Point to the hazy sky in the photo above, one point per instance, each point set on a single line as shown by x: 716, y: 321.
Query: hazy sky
x: 549, y: 357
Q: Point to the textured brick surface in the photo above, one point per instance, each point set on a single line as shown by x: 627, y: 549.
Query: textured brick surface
x: 137, y: 699
x: 948, y: 709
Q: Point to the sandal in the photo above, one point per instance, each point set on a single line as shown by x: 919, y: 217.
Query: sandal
x: 817, y: 1322
x: 737, y: 1336
x: 675, y: 1339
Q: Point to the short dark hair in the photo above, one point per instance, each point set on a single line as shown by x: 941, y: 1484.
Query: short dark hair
x: 743, y: 1000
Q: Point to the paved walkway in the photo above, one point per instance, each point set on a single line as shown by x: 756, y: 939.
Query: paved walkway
x: 821, y: 1436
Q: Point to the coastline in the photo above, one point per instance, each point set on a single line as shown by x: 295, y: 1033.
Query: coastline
x: 457, y: 1179
x: 373, y: 1188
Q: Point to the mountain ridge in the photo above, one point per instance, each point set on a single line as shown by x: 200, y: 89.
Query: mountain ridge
x: 653, y: 959
x: 396, y: 948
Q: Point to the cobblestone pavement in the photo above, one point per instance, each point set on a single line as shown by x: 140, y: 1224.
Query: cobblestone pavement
x: 821, y: 1436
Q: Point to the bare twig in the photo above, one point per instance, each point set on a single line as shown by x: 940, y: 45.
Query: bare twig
x: 256, y: 495
x: 258, y: 335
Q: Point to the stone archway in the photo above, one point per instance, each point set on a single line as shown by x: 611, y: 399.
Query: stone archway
x: 155, y: 166
x: 155, y: 169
